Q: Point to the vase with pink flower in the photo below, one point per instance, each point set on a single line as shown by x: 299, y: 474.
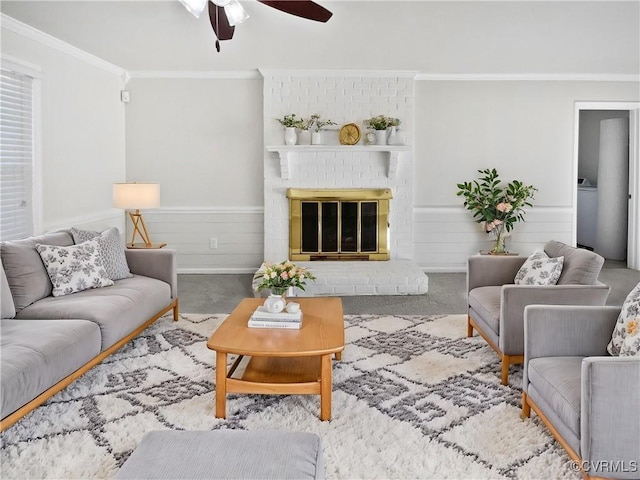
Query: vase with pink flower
x: 496, y: 205
x: 279, y: 278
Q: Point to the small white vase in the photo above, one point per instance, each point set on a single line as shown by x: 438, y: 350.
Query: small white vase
x: 381, y: 137
x: 316, y: 138
x: 304, y: 137
x: 290, y: 136
x: 274, y: 303
x: 394, y: 137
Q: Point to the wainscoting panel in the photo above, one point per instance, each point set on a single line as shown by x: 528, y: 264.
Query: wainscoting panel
x: 445, y: 236
x: 239, y: 232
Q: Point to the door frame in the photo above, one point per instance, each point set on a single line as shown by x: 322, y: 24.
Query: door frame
x: 633, y: 235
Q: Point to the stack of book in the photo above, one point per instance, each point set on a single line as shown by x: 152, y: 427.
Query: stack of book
x: 263, y: 319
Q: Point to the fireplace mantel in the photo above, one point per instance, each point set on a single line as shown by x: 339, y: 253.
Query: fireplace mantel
x: 288, y: 152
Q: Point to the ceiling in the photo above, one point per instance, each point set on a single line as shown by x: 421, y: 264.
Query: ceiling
x: 426, y: 36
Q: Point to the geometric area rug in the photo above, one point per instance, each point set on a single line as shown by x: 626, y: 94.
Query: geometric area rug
x: 413, y: 397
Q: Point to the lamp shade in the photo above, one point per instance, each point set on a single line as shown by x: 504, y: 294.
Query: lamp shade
x: 136, y: 195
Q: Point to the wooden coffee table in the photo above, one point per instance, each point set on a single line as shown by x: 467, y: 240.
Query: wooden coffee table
x: 283, y: 361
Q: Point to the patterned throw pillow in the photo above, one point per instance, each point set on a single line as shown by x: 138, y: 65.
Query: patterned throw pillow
x: 75, y: 268
x: 111, y: 249
x: 625, y: 340
x: 540, y: 269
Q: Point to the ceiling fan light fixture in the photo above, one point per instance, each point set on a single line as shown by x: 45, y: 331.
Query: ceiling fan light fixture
x: 235, y: 12
x: 194, y: 7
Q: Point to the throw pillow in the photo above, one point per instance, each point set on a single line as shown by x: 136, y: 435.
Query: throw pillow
x: 28, y: 279
x: 111, y: 249
x: 540, y: 269
x: 75, y: 268
x: 581, y: 266
x: 625, y: 339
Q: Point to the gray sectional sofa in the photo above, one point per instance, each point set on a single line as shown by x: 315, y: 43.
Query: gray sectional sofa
x: 47, y: 342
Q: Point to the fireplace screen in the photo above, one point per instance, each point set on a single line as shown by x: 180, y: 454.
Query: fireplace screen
x: 339, y: 224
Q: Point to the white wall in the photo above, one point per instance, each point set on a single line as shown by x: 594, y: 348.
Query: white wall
x: 202, y: 140
x: 522, y: 128
x: 82, y: 133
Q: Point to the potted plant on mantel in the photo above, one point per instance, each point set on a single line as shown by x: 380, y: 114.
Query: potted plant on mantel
x: 317, y: 123
x: 290, y: 123
x: 380, y: 123
x: 498, y: 206
x: 304, y: 137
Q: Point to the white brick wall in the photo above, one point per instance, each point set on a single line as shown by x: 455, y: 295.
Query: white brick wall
x: 343, y: 97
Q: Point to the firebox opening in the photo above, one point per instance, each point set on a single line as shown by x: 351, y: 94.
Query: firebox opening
x: 339, y: 224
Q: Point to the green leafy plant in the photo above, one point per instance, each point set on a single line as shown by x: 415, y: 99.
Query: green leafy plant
x: 381, y: 122
x: 493, y: 202
x: 499, y: 206
x: 317, y: 122
x: 280, y: 276
x: 291, y: 121
x: 306, y: 123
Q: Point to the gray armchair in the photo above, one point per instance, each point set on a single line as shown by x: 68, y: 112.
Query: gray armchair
x: 589, y: 400
x: 496, y: 304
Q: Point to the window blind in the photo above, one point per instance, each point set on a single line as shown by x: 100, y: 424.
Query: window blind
x: 16, y: 152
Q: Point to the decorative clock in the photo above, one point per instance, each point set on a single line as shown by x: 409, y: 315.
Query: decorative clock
x: 349, y: 134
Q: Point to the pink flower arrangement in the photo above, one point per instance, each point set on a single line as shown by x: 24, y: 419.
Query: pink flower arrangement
x: 281, y: 276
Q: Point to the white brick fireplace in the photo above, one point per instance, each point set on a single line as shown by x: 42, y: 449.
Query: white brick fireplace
x: 344, y: 97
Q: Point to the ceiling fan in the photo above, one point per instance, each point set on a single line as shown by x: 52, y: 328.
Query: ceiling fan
x: 226, y: 14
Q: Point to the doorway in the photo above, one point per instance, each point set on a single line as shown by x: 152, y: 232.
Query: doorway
x: 617, y: 236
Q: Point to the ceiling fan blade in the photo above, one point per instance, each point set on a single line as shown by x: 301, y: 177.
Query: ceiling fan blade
x: 301, y: 8
x: 220, y: 23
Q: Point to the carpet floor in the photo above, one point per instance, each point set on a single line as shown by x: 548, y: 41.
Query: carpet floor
x: 412, y: 398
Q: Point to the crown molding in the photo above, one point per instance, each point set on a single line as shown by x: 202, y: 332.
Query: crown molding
x: 528, y: 77
x: 339, y: 73
x: 197, y: 74
x: 45, y: 39
x: 435, y: 77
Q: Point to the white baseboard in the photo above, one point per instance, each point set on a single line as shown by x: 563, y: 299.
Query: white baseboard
x: 217, y: 271
x: 435, y: 269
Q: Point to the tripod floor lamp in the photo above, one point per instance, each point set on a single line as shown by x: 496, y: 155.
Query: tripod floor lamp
x: 136, y: 196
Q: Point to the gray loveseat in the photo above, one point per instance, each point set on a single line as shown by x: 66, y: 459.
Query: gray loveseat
x: 47, y: 342
x: 589, y: 400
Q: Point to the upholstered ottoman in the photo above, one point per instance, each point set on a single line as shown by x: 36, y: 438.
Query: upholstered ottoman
x: 234, y: 454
